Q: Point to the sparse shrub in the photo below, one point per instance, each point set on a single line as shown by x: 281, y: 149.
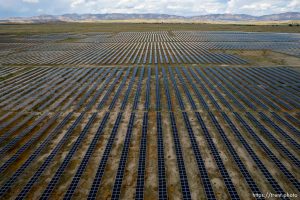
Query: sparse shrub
x: 264, y: 52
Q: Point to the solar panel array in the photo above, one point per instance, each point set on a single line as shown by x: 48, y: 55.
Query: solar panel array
x: 271, y: 155
x: 122, y: 164
x: 49, y: 159
x: 119, y: 53
x: 140, y: 183
x: 47, y: 192
x: 162, y: 179
x: 101, y: 167
x: 89, y: 132
x: 253, y: 186
x: 227, y: 180
x: 87, y: 156
x: 276, y: 142
x: 159, y: 47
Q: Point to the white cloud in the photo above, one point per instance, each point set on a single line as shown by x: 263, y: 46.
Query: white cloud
x: 31, y: 1
x: 262, y: 7
x: 294, y: 4
x: 176, y: 7
x: 187, y: 7
x: 76, y: 3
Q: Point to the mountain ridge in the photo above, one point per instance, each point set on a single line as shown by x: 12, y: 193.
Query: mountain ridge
x: 74, y: 17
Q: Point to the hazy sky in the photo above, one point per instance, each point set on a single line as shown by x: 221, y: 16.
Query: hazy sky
x: 10, y: 8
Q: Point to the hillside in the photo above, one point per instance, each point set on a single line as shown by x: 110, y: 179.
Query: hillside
x: 152, y: 16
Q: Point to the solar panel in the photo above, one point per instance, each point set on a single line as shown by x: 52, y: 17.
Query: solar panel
x: 199, y: 96
x: 86, y: 158
x: 146, y: 54
x: 147, y: 98
x: 14, y: 129
x: 101, y: 167
x: 232, y: 97
x: 185, y: 189
x: 200, y: 162
x: 186, y: 90
x: 7, y: 185
x: 247, y: 83
x: 150, y: 56
x: 19, y: 93
x: 292, y: 118
x: 121, y: 86
x: 138, y: 91
x: 287, y: 124
x: 88, y: 92
x: 29, y: 143
x: 54, y: 87
x: 132, y: 80
x: 10, y: 121
x: 223, y: 100
x: 109, y: 90
x: 166, y: 86
x: 207, y: 92
x: 253, y: 186
x: 227, y: 180
x: 47, y: 192
x: 261, y: 166
x: 100, y: 90
x: 68, y: 89
x: 270, y: 83
x: 157, y: 89
x: 139, y: 192
x: 49, y: 158
x: 162, y: 185
x: 279, y: 130
x: 181, y: 104
x: 122, y: 164
x: 274, y: 140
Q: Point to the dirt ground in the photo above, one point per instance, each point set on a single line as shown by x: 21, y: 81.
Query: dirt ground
x: 265, y: 57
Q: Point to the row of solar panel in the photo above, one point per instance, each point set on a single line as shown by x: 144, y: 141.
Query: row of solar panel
x: 238, y: 95
x: 172, y: 118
